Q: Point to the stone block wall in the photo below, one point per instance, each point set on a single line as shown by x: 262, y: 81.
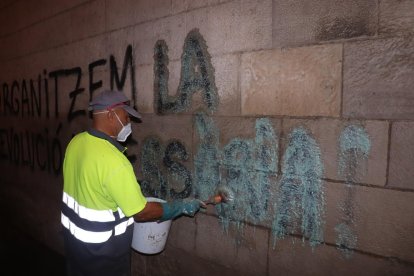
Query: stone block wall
x: 304, y: 109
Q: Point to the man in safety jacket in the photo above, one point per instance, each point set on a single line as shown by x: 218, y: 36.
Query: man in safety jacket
x: 101, y: 196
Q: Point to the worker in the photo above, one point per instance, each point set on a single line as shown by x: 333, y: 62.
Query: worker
x: 101, y: 195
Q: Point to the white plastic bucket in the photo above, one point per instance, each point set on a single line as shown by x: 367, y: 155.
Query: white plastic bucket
x: 150, y: 237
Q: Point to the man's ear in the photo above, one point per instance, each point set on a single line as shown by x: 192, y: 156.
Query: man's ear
x: 111, y: 115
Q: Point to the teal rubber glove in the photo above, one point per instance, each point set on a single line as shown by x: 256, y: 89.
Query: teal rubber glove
x: 188, y: 207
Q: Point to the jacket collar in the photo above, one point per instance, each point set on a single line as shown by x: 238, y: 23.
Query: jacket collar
x: 100, y: 134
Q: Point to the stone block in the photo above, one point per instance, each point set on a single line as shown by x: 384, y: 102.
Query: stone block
x: 46, y: 34
x: 139, y: 264
x: 396, y: 17
x: 144, y: 76
x: 225, y: 79
x: 52, y: 235
x: 222, y: 249
x: 60, y: 102
x: 144, y: 36
x: 179, y: 6
x: 82, y: 53
x: 234, y: 248
x: 401, y: 173
x: 198, y: 19
x: 379, y: 219
x: 117, y: 42
x: 183, y: 233
x: 7, y: 15
x: 175, y: 261
x: 13, y: 70
x: 252, y: 251
x: 87, y: 20
x: 18, y: 15
x: 174, y: 68
x: 239, y: 26
x: 6, y: 3
x: 327, y: 134
x: 247, y: 161
x: 231, y: 128
x: 164, y: 129
x: 305, y: 22
x: 56, y: 31
x: 129, y: 12
x: 296, y: 82
x: 293, y: 257
x: 167, y: 128
x: 378, y: 78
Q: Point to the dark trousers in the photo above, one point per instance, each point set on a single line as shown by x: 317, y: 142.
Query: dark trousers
x: 84, y: 259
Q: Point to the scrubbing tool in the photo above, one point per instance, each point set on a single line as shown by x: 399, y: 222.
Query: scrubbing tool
x: 222, y: 194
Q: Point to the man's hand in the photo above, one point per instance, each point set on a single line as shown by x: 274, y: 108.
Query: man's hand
x: 188, y: 207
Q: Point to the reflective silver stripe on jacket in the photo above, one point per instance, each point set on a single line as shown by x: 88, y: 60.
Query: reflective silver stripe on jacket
x: 92, y: 215
x: 87, y: 213
x: 84, y: 235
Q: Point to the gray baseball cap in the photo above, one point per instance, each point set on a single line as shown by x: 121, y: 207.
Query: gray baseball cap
x: 109, y: 99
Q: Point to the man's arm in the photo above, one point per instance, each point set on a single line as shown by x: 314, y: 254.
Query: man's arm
x: 168, y: 210
x: 152, y: 211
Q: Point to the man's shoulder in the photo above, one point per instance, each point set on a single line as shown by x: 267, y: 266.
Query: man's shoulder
x: 84, y: 139
x: 80, y: 134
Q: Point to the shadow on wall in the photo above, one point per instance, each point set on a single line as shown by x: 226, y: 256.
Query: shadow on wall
x: 21, y: 255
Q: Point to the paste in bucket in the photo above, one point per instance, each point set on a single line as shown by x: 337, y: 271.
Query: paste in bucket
x: 150, y: 237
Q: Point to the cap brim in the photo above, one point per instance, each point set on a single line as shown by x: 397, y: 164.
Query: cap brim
x: 132, y: 111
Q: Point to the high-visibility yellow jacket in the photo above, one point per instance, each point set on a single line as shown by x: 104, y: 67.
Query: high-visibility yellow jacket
x: 100, y: 192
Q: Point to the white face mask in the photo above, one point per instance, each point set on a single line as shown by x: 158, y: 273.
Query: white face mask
x: 125, y: 131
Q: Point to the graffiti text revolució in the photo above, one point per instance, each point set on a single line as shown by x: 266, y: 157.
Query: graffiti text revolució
x: 38, y: 98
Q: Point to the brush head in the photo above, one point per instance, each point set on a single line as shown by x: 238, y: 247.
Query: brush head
x: 224, y: 194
